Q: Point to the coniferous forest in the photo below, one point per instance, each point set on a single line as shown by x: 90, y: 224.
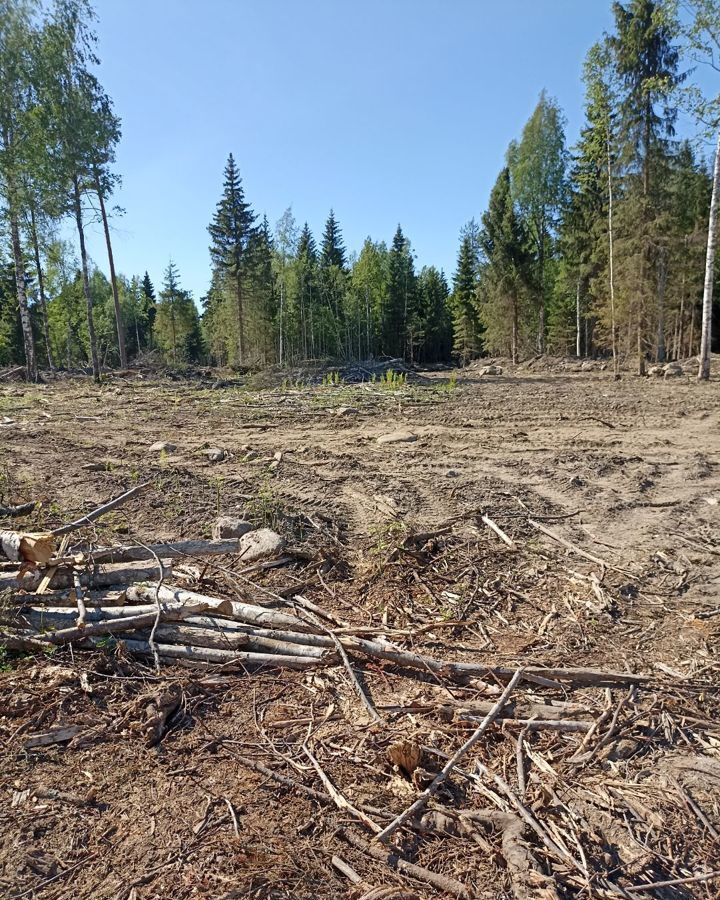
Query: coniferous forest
x: 593, y: 244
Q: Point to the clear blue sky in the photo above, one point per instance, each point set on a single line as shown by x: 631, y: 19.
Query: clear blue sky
x: 387, y: 110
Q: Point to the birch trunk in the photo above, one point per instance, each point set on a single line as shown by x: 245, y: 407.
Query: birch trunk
x: 706, y: 338
x: 28, y: 340
x: 86, y: 281
x: 113, y: 278
x: 41, y: 288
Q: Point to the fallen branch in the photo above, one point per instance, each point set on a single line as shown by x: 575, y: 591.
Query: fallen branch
x: 486, y: 520
x: 442, y: 776
x: 419, y: 873
x: 575, y: 549
x: 100, y: 510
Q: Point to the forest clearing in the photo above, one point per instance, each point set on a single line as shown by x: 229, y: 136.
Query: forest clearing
x: 547, y: 520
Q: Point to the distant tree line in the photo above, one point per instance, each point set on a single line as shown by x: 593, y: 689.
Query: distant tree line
x: 595, y: 249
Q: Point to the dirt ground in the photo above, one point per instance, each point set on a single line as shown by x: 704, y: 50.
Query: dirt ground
x: 628, y: 472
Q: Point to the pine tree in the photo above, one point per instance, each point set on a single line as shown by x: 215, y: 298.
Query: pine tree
x: 467, y: 328
x: 232, y: 231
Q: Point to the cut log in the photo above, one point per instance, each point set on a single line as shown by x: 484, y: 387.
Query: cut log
x: 537, y: 674
x: 174, y: 550
x: 243, y: 612
x: 21, y: 546
x: 47, y: 618
x: 113, y: 574
x: 221, y: 657
x: 229, y: 639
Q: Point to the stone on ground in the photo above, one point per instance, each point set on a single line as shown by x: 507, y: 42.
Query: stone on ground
x: 257, y: 544
x: 397, y: 437
x: 229, y: 527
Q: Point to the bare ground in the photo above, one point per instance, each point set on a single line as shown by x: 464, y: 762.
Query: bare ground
x: 628, y: 472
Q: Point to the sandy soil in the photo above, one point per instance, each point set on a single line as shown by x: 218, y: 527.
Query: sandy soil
x: 628, y: 472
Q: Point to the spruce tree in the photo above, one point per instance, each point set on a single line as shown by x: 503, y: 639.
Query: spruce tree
x: 333, y: 248
x: 232, y: 231
x: 433, y: 300
x: 646, y: 62
x: 333, y: 284
x: 401, y: 332
x: 506, y: 280
x: 467, y: 328
x: 307, y: 291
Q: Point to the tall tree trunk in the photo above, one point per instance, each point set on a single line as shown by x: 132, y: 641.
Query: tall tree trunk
x: 26, y: 324
x: 239, y: 315
x: 541, y: 266
x: 578, y: 340
x: 86, y: 281
x: 613, y: 327
x: 706, y: 339
x: 282, y: 298
x: 662, y: 282
x: 119, y: 324
x: 41, y: 288
x: 514, y: 330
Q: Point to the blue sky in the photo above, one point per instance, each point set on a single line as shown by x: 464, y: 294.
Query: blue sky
x: 387, y: 110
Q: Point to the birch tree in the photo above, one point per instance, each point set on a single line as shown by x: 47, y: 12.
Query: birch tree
x: 16, y: 106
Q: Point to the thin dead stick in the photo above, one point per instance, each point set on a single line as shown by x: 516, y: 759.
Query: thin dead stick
x: 638, y: 888
x: 493, y: 526
x: 79, y: 599
x: 692, y: 805
x: 374, y: 715
x: 236, y: 828
x: 100, y: 510
x: 441, y: 882
x: 151, y: 640
x: 432, y: 788
x: 346, y: 869
x: 528, y: 817
x: 575, y: 549
x: 337, y: 798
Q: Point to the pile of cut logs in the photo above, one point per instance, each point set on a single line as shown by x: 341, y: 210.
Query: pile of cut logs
x: 49, y: 596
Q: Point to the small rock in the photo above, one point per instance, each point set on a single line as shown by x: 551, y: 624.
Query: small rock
x: 228, y: 527
x: 215, y: 454
x: 257, y: 544
x: 346, y: 411
x: 673, y: 369
x: 452, y: 473
x: 163, y: 447
x: 491, y: 370
x: 397, y: 437
x: 655, y: 371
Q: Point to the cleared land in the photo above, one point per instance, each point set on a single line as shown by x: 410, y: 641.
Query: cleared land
x: 388, y: 537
